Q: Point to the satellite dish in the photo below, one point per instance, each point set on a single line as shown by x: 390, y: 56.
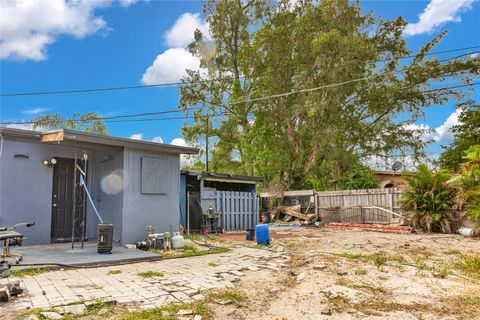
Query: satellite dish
x: 397, y: 166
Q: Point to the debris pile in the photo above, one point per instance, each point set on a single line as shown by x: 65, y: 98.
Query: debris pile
x: 293, y: 213
x: 8, y: 288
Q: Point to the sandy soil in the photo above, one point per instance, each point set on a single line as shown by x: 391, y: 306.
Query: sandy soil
x: 376, y: 276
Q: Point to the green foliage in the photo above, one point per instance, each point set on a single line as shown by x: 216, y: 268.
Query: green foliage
x: 305, y: 139
x: 428, y: 197
x: 150, y: 274
x: 357, y: 177
x: 88, y: 122
x: 468, y: 193
x: 469, y: 265
x: 466, y: 133
x: 23, y: 272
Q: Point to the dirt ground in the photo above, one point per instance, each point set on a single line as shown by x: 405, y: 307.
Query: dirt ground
x: 349, y: 274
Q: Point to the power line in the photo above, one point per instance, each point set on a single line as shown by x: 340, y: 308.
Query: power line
x: 17, y: 94
x: 112, y: 120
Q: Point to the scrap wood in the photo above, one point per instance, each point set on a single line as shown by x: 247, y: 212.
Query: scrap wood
x: 371, y: 227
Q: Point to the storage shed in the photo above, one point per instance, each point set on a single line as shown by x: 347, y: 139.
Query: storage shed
x: 233, y: 196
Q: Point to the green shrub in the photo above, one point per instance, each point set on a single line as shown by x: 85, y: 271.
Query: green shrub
x: 428, y: 198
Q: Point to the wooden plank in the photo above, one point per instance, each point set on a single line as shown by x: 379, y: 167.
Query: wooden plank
x: 52, y: 136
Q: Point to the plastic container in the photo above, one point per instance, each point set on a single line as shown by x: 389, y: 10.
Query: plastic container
x: 250, y: 234
x: 466, y: 232
x: 177, y: 241
x: 263, y: 234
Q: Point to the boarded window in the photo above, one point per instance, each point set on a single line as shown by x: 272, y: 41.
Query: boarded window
x: 156, y: 178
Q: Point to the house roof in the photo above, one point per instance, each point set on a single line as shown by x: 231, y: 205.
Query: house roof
x: 87, y: 137
x: 223, y: 177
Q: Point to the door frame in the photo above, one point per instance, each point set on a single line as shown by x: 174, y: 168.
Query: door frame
x: 81, y: 209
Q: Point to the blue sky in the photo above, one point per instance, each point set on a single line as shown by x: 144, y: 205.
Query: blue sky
x: 51, y: 46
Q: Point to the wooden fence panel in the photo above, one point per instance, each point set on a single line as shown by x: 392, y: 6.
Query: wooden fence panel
x: 344, y: 199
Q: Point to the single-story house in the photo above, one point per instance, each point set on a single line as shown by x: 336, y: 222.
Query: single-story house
x: 391, y: 179
x: 233, y: 196
x: 133, y: 184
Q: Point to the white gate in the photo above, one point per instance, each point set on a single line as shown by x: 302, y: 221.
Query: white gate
x: 238, y: 210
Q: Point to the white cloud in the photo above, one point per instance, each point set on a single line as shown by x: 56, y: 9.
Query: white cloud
x: 474, y: 55
x: 437, y: 13
x: 170, y: 66
x: 24, y: 126
x: 157, y: 139
x: 35, y: 111
x: 179, y: 142
x: 442, y: 134
x: 181, y: 34
x: 29, y: 26
x: 137, y: 136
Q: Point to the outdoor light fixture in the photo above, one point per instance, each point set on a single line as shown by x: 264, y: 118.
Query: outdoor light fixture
x: 49, y: 163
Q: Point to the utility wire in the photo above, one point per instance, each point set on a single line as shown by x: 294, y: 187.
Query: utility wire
x: 17, y: 94
x: 109, y: 119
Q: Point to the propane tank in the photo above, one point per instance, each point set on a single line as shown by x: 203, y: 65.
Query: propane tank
x: 177, y: 241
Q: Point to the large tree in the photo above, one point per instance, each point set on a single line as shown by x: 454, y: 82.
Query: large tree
x: 465, y: 134
x: 362, y: 95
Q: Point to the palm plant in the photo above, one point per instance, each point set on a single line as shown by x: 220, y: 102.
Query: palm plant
x: 88, y: 122
x: 468, y: 194
x: 428, y: 199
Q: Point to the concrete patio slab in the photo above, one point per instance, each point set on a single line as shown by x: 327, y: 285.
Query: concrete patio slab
x: 62, y: 253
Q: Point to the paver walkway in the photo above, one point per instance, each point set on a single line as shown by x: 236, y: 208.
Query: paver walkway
x: 183, y: 280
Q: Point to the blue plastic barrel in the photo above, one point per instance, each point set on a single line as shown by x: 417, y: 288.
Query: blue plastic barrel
x: 263, y: 234
x: 250, y: 234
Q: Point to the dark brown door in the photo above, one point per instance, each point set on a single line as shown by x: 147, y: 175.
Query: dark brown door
x: 62, y: 202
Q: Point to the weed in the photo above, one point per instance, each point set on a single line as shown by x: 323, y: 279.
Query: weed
x: 360, y: 272
x: 379, y: 259
x: 469, y: 265
x: 338, y: 301
x: 150, y: 274
x: 213, y: 264
x: 30, y: 271
x: 115, y: 271
x: 440, y: 272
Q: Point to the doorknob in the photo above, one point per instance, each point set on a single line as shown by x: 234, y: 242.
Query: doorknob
x: 54, y: 205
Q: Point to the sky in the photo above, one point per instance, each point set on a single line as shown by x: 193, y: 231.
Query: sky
x: 56, y: 45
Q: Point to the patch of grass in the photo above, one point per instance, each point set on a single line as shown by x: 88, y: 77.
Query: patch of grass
x: 350, y: 255
x: 361, y: 272
x: 338, y: 301
x: 30, y: 271
x: 237, y: 297
x: 115, y: 271
x: 213, y: 264
x: 469, y: 265
x: 260, y: 246
x: 463, y: 307
x: 452, y: 251
x: 150, y: 274
x: 193, y: 251
x: 291, y: 246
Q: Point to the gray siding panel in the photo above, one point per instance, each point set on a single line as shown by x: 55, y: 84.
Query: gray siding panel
x: 109, y: 195
x: 26, y: 186
x: 141, y: 210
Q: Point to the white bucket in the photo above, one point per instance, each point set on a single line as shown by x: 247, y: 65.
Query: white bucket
x: 466, y: 232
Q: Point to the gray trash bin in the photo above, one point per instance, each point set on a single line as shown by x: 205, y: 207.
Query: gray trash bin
x: 105, y: 238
